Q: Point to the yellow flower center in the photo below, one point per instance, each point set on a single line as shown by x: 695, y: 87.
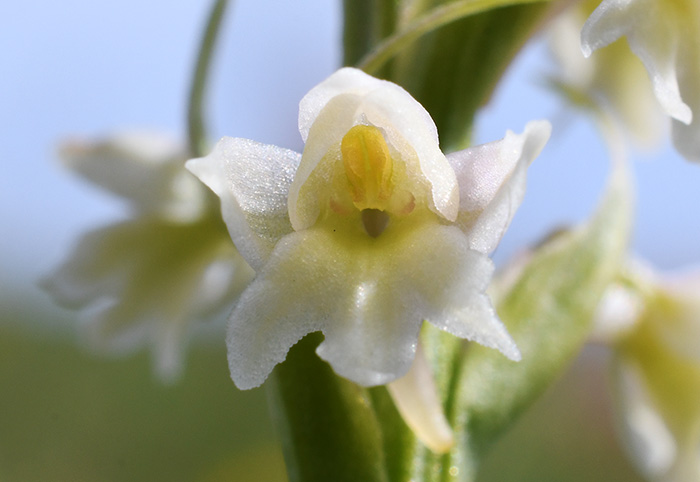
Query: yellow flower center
x: 368, y: 167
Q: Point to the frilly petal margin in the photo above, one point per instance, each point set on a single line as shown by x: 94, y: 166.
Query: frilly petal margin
x: 252, y: 180
x: 368, y: 297
x: 492, y: 180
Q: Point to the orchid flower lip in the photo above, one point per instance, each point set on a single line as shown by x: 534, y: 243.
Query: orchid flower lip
x: 367, y: 233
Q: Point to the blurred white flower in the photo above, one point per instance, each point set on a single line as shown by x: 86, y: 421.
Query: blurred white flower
x: 656, y: 373
x: 665, y: 35
x: 368, y: 233
x: 145, y: 280
x: 145, y: 169
x: 613, y: 82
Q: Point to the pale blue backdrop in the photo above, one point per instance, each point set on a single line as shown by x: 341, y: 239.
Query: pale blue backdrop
x: 81, y: 68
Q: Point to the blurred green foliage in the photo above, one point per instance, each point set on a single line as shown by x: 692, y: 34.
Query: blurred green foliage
x: 456, y: 65
x: 69, y: 415
x: 567, y: 436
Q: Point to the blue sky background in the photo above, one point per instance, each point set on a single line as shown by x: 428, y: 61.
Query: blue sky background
x: 79, y: 68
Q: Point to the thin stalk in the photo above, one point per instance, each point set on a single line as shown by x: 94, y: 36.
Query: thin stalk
x: 196, y: 130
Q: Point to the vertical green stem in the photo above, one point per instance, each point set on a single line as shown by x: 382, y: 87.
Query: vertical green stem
x: 327, y: 426
x: 196, y: 131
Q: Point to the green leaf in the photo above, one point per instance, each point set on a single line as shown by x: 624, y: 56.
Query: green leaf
x: 449, y: 55
x: 365, y: 24
x: 549, y: 312
x: 403, y: 453
x: 327, y: 425
x: 453, y: 71
x: 333, y: 429
x: 409, y: 26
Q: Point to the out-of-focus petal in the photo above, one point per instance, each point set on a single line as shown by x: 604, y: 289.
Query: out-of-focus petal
x: 675, y: 313
x: 146, y: 169
x: 618, y: 312
x: 657, y: 377
x: 613, y: 81
x: 665, y: 36
x: 648, y: 439
x: 138, y: 283
x: 686, y: 136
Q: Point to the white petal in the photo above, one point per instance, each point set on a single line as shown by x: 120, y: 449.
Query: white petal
x: 416, y: 398
x: 652, y: 31
x: 492, y: 183
x: 618, y: 311
x: 664, y: 35
x: 144, y: 168
x: 475, y: 319
x: 395, y: 108
x: 344, y: 81
x: 659, y: 55
x: 306, y: 191
x: 252, y: 180
x: 94, y: 270
x: 137, y: 284
x: 614, y: 80
x: 369, y: 296
x: 351, y: 97
x: 648, y: 439
x: 605, y: 25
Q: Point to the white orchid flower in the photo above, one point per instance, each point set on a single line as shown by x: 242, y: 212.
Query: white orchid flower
x: 143, y: 168
x: 613, y: 82
x: 147, y: 279
x: 366, y: 234
x: 665, y: 35
x: 656, y: 371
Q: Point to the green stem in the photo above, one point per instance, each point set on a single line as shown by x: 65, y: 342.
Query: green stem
x: 327, y: 426
x: 196, y: 131
x: 436, y: 18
